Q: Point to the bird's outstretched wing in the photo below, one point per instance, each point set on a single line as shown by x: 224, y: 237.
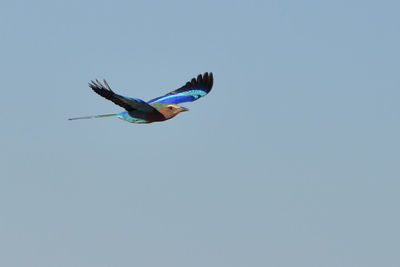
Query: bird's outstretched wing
x: 134, y: 105
x: 191, y: 91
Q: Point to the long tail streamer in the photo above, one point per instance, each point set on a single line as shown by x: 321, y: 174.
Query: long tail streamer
x: 94, y: 117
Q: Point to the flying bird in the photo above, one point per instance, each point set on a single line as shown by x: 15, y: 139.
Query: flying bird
x: 158, y: 109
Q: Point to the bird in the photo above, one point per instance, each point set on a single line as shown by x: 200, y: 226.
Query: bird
x: 158, y: 109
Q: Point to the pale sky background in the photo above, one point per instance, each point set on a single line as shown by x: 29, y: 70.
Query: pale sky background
x: 292, y: 160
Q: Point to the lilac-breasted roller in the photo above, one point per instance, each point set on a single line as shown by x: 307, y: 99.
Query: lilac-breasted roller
x: 158, y: 109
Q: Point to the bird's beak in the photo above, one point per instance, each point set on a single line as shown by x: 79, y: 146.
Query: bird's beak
x: 184, y: 109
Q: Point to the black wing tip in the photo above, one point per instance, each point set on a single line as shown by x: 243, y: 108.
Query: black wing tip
x: 205, y: 80
x: 98, y: 86
x: 210, y: 80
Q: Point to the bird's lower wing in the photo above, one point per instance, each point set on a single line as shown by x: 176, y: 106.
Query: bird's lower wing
x: 191, y: 91
x: 135, y: 105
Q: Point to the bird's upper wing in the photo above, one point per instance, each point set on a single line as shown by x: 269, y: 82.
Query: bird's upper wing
x: 191, y: 91
x: 128, y: 103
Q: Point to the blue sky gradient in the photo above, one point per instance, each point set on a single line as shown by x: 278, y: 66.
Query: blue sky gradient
x: 291, y: 160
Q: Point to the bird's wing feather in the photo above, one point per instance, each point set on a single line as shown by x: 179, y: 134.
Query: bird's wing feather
x: 191, y: 91
x: 135, y: 105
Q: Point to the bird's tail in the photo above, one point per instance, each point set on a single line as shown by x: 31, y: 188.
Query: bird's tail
x: 94, y: 117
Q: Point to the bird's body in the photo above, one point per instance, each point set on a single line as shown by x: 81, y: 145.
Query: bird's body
x: 134, y: 117
x: 158, y: 109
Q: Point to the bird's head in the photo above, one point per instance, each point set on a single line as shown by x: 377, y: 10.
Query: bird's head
x: 171, y: 110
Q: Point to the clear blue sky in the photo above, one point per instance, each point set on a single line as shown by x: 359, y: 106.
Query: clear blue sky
x: 291, y: 160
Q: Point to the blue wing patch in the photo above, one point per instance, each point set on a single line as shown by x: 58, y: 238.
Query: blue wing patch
x: 187, y: 96
x: 191, y: 91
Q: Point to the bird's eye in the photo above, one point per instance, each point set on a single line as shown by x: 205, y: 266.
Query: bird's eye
x: 170, y: 107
